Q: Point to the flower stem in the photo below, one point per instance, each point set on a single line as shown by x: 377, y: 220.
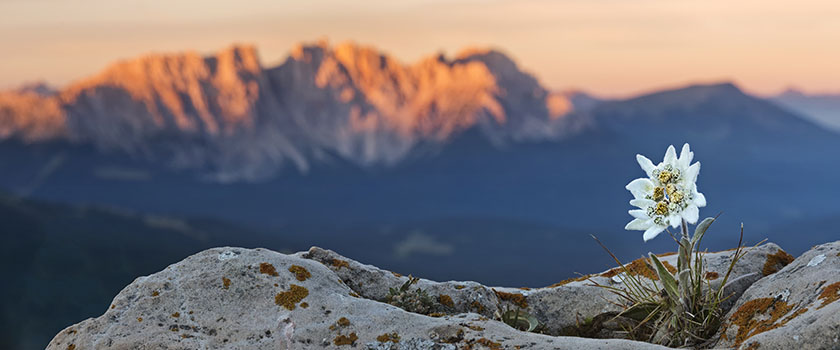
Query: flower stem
x: 685, y: 229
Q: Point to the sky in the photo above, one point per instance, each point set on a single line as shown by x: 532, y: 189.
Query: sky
x: 611, y: 48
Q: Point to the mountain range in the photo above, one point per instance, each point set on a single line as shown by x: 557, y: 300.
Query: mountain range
x: 823, y: 109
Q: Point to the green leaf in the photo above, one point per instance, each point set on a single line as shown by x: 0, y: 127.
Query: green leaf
x: 640, y: 311
x: 701, y: 230
x: 667, y: 279
x: 520, y: 320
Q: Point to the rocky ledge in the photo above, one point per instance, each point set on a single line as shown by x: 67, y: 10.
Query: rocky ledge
x: 236, y: 298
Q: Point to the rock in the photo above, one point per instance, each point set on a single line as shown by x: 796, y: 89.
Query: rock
x: 566, y: 308
x: 795, y: 308
x: 234, y: 298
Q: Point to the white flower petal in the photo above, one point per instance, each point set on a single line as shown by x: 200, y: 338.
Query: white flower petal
x: 686, y: 155
x: 646, y: 164
x: 642, y: 203
x: 670, y: 156
x: 639, y: 214
x: 699, y: 198
x: 690, y: 176
x: 638, y: 225
x: 674, y: 220
x: 640, y: 187
x: 652, y: 232
x: 691, y: 213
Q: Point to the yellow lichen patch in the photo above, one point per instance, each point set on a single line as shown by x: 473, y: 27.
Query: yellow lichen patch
x: 268, y: 269
x: 288, y: 299
x: 475, y: 328
x: 795, y: 314
x: 155, y: 293
x: 355, y: 295
x: 389, y: 337
x: 437, y: 314
x: 337, y: 263
x: 639, y: 267
x: 758, y: 316
x: 752, y: 346
x: 344, y: 322
x: 304, y: 305
x: 459, y: 287
x: 446, y: 300
x: 515, y: 298
x: 345, y: 340
x: 300, y: 272
x: 139, y: 319
x: 396, y: 274
x: 176, y: 315
x: 477, y: 307
x: 570, y: 280
x: 711, y: 275
x: 113, y: 306
x: 71, y: 347
x: 226, y: 282
x: 830, y: 294
x: 489, y: 343
x: 776, y: 262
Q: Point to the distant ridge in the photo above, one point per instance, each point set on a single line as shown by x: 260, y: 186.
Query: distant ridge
x: 227, y: 113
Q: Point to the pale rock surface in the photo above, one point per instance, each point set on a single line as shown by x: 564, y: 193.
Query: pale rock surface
x: 227, y: 298
x: 795, y: 308
x: 560, y: 308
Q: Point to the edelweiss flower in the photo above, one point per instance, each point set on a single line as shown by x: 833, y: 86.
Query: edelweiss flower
x: 668, y: 195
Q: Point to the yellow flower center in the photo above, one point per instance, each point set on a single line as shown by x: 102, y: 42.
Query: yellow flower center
x: 661, y: 208
x: 665, y: 176
x: 658, y: 194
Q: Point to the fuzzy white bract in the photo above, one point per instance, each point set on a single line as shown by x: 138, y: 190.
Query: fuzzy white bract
x: 667, y: 195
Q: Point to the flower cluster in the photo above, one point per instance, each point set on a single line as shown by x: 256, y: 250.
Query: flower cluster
x: 667, y: 195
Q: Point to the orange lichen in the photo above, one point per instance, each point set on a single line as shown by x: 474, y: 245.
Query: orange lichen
x: 155, y: 293
x: 389, y: 337
x: 437, y: 314
x: 569, y: 280
x: 830, y: 294
x: 288, y: 299
x: 176, y: 315
x: 226, y: 282
x: 776, y: 262
x: 396, y: 274
x: 345, y: 340
x: 639, y: 267
x: 344, y: 322
x: 446, y: 300
x: 71, y: 347
x: 355, y: 295
x: 113, y: 306
x: 339, y: 263
x: 139, y: 319
x: 758, y: 316
x: 304, y: 305
x: 460, y: 287
x: 300, y: 273
x: 268, y: 269
x: 752, y: 346
x: 711, y: 275
x: 515, y: 298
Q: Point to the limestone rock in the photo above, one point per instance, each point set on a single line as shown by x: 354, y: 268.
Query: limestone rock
x: 794, y: 308
x: 235, y: 298
x: 563, y: 308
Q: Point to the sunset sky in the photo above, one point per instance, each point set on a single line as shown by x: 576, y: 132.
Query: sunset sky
x: 608, y: 47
